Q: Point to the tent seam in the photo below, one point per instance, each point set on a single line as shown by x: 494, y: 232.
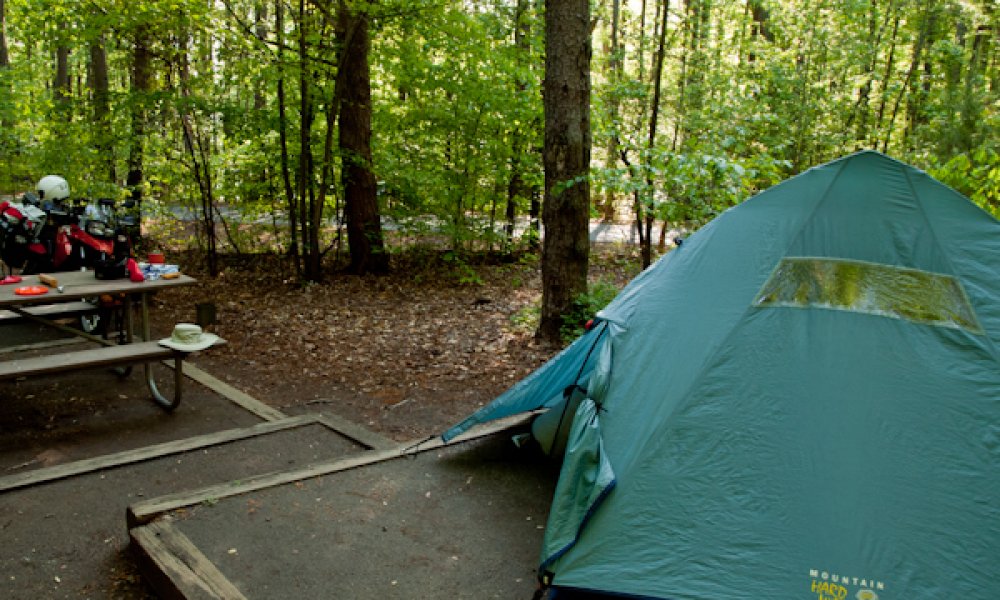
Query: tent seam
x: 710, y: 359
x: 822, y: 200
x: 579, y: 530
x: 951, y: 267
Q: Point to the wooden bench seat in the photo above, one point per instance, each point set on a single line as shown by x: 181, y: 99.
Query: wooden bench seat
x: 51, y: 311
x: 107, y: 356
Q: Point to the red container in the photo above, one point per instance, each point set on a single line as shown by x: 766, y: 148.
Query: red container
x: 155, y: 258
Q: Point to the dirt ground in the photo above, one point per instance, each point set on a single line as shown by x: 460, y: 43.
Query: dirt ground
x: 407, y: 354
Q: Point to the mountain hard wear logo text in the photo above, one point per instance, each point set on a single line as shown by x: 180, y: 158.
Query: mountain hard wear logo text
x: 825, y: 585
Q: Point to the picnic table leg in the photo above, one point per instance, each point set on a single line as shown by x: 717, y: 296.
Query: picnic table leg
x: 167, y: 405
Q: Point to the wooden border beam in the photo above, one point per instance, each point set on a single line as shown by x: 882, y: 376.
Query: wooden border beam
x: 20, y: 480
x: 147, y: 510
x: 176, y: 568
x: 238, y: 397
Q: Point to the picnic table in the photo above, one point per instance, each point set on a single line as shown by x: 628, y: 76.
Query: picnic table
x: 74, y: 288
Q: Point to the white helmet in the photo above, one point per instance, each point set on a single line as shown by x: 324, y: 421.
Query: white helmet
x: 53, y: 187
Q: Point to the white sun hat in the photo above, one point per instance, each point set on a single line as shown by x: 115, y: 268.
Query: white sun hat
x: 188, y: 337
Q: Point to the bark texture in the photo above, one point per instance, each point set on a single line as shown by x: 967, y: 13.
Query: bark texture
x: 102, y: 107
x: 565, y: 213
x: 140, y: 86
x: 364, y: 228
x: 4, y: 56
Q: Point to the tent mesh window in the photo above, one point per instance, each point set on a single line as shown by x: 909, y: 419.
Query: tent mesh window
x: 870, y: 288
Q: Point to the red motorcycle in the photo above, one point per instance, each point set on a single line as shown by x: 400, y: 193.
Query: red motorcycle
x: 47, y: 233
x: 77, y: 238
x: 20, y: 225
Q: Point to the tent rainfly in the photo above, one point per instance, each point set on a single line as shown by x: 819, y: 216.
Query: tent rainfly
x: 801, y: 401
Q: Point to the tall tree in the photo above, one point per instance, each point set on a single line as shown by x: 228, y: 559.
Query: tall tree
x: 198, y: 145
x: 761, y: 25
x: 890, y: 66
x: 615, y: 75
x: 102, y: 108
x: 141, y: 82
x: 4, y: 55
x: 286, y: 177
x: 566, y: 157
x: 753, y: 91
x: 654, y: 114
x: 61, y: 84
x: 860, y: 113
x: 260, y: 31
x: 517, y: 187
x: 5, y: 87
x: 364, y: 226
x: 304, y: 191
x: 912, y: 88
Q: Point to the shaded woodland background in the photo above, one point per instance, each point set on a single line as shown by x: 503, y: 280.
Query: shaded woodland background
x: 244, y: 115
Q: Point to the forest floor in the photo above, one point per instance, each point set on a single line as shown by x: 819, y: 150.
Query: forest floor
x: 406, y: 354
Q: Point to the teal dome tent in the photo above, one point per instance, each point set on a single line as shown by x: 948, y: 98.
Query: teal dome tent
x: 802, y: 401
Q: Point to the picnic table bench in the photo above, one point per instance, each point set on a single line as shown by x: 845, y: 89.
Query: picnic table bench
x: 75, y: 287
x: 51, y: 311
x: 105, y: 356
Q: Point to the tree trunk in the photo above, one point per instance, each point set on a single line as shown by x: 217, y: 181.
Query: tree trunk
x: 364, y: 227
x: 615, y: 75
x: 141, y: 77
x: 991, y: 57
x: 199, y: 153
x: 306, y: 197
x: 692, y: 93
x: 918, y: 53
x: 260, y: 30
x: 917, y: 99
x: 535, y: 220
x: 518, y: 190
x: 971, y: 112
x: 566, y: 157
x: 4, y: 56
x: 647, y: 246
x: 102, y: 109
x: 699, y: 14
x: 61, y: 84
x: 641, y: 60
x: 326, y: 168
x: 293, y: 249
x: 761, y: 20
x: 5, y: 87
x: 516, y: 186
x: 804, y: 100
x: 859, y: 116
x: 890, y: 65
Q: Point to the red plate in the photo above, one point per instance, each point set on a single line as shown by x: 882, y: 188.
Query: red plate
x: 31, y: 290
x: 10, y: 279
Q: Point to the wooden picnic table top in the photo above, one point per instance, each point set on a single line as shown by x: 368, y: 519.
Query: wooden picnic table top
x: 76, y: 285
x: 83, y: 284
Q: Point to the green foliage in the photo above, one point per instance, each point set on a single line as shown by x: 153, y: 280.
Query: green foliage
x: 526, y: 319
x: 448, y: 147
x: 457, y: 108
x: 463, y: 272
x: 703, y: 186
x: 975, y: 174
x: 586, y: 307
